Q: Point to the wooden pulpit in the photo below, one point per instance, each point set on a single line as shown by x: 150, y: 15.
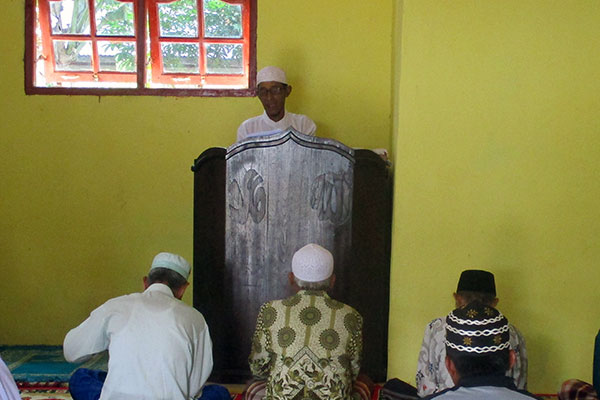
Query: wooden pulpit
x: 260, y: 200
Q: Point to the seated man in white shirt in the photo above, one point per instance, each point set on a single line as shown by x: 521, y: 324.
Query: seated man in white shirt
x: 158, y: 346
x: 272, y: 91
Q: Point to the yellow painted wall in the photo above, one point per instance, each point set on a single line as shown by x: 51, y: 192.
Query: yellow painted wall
x: 498, y: 167
x: 91, y: 188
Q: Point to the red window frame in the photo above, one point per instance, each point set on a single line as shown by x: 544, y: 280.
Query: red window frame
x: 202, y: 78
x: 142, y: 9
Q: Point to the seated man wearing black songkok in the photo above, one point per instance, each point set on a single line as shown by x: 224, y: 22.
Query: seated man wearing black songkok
x: 432, y: 376
x: 478, y: 355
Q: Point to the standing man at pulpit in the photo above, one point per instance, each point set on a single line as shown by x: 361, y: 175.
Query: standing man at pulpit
x: 308, y: 345
x: 273, y: 89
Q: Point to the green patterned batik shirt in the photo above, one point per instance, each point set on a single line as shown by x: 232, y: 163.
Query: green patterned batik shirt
x: 307, y: 346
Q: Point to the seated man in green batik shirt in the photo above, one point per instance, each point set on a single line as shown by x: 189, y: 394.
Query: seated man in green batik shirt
x: 308, y: 345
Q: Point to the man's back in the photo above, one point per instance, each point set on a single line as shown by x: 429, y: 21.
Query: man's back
x: 483, y: 387
x: 159, y: 347
x: 308, y: 346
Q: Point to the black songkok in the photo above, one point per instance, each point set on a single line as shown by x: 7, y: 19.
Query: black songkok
x: 476, y: 280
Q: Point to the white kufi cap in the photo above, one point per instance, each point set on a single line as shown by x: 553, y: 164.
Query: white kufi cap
x: 173, y: 262
x: 312, y: 263
x: 271, y: 74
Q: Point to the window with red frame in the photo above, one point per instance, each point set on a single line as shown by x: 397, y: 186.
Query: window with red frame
x: 178, y: 47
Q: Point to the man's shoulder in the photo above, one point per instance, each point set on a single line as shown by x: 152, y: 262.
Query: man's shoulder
x: 118, y: 301
x: 303, y: 122
x: 433, y: 339
x: 290, y: 301
x: 184, y: 308
x: 253, y: 125
x: 179, y: 309
x: 437, y: 324
x: 517, y: 340
x: 272, y: 303
x: 336, y: 303
x: 304, y: 296
x: 514, y: 329
x: 342, y: 310
x: 252, y: 120
x: 299, y: 116
x: 448, y: 392
x: 477, y: 392
x: 249, y: 126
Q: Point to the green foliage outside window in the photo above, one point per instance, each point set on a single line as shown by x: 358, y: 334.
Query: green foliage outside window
x: 114, y: 18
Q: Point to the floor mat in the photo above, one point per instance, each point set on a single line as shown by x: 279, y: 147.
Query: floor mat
x: 45, y: 363
x: 44, y: 391
x: 42, y: 373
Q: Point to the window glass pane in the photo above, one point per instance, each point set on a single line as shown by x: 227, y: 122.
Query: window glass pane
x: 71, y: 55
x: 179, y: 19
x: 70, y: 16
x: 114, y: 18
x: 180, y: 57
x: 222, y: 20
x: 224, y: 59
x: 117, y: 56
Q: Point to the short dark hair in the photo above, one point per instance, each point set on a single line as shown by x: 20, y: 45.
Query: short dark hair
x: 320, y: 285
x: 482, y: 297
x: 468, y: 365
x: 167, y: 276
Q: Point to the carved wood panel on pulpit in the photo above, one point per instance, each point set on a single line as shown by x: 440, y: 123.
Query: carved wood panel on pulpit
x: 259, y: 201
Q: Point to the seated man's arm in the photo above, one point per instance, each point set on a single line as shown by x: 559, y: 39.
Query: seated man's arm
x: 87, y: 339
x: 356, y: 346
x: 426, y: 378
x: 309, y: 127
x: 260, y: 356
x: 203, y: 361
x: 242, y: 133
x: 519, y: 370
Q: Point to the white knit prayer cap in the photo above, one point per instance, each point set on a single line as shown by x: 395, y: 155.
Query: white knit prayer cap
x: 312, y: 263
x: 271, y: 74
x: 173, y: 262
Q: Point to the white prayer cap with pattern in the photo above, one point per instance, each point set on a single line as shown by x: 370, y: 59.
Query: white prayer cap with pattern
x: 173, y: 262
x: 312, y: 263
x: 271, y: 74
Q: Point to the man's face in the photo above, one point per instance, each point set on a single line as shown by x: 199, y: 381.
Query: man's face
x: 272, y: 96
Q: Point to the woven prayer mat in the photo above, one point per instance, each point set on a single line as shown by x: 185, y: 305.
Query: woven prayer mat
x: 45, y: 364
x: 44, y: 391
x: 42, y: 373
x: 60, y: 391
